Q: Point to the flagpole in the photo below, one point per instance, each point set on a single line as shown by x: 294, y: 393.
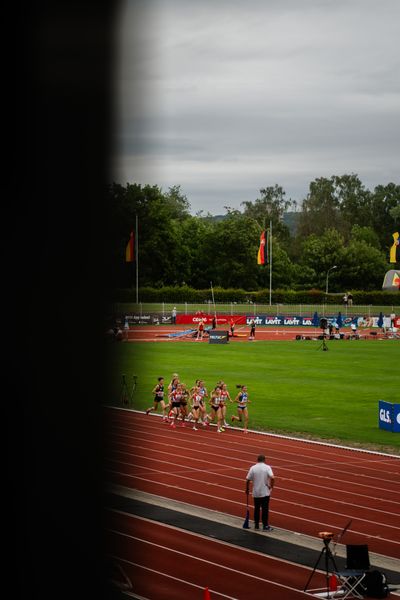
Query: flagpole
x: 212, y: 295
x: 270, y: 262
x: 137, y: 261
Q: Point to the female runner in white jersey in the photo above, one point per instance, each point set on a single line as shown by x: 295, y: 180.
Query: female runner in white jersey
x: 225, y: 396
x: 203, y: 409
x: 243, y: 400
x: 171, y: 387
x: 216, y: 411
x: 196, y: 398
x: 176, y: 397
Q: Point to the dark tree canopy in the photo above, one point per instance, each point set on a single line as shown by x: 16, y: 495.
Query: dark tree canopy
x: 340, y: 223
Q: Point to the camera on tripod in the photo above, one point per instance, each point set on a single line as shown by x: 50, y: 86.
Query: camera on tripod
x: 323, y: 323
x: 326, y: 535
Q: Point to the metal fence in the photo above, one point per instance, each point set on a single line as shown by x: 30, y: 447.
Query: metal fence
x: 253, y: 309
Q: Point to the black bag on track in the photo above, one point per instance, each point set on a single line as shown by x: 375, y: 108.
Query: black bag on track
x: 375, y: 584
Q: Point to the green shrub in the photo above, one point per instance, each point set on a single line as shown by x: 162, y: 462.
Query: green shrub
x: 184, y: 294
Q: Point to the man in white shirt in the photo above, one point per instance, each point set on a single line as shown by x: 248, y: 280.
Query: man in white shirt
x: 263, y: 480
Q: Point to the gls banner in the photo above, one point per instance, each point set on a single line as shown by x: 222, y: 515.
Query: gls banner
x: 389, y: 416
x: 385, y: 415
x: 396, y: 418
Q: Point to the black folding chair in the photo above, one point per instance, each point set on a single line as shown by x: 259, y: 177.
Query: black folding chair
x: 357, y: 564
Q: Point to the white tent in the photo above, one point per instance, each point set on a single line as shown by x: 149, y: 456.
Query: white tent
x: 391, y: 282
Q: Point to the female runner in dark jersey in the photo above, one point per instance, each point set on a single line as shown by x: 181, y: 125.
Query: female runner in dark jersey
x: 158, y: 392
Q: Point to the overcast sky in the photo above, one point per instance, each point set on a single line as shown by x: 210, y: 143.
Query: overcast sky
x: 226, y: 97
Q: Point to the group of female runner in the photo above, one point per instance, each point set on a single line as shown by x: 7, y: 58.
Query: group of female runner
x: 189, y: 405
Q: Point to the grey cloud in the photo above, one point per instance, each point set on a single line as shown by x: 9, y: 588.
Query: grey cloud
x: 224, y: 98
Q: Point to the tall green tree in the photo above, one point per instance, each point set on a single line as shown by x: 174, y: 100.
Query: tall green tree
x: 159, y: 239
x: 354, y: 202
x: 335, y: 203
x: 270, y: 207
x: 363, y: 267
x: 231, y: 247
x: 320, y: 209
x: 320, y: 254
x: 365, y: 234
x: 384, y: 208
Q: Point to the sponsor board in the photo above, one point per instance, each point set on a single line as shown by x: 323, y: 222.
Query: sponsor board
x: 146, y: 319
x: 216, y: 336
x: 263, y: 320
x: 281, y: 321
x: 396, y: 418
x: 373, y: 322
x: 193, y: 319
x: 389, y: 416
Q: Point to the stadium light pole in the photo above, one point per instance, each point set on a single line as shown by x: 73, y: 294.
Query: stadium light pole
x: 327, y: 277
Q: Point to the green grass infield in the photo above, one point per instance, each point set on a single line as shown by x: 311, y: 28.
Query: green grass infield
x: 295, y: 388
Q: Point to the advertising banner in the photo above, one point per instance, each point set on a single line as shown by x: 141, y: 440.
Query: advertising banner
x: 396, y: 418
x: 216, y: 336
x: 147, y: 319
x: 374, y: 322
x: 280, y: 321
x: 387, y: 418
x: 288, y: 321
x: 223, y: 320
x: 267, y: 320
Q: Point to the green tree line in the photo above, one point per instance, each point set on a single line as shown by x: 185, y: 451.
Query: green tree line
x: 340, y: 223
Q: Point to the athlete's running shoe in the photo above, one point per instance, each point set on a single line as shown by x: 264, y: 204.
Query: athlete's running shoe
x: 232, y: 418
x: 195, y: 429
x: 147, y: 411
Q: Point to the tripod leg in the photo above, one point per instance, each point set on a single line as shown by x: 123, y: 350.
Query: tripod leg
x: 124, y: 395
x: 132, y: 392
x: 329, y: 557
x: 332, y: 559
x: 314, y: 569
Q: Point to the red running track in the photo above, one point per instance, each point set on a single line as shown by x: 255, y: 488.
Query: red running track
x: 318, y: 487
x: 158, y: 333
x: 164, y: 562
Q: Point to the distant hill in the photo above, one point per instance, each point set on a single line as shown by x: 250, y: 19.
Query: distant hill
x: 218, y: 218
x: 290, y: 219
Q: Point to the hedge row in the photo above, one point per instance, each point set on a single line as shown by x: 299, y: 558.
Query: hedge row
x: 190, y: 295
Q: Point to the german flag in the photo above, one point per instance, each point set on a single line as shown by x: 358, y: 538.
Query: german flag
x: 262, y: 250
x: 395, y: 249
x: 129, y: 252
